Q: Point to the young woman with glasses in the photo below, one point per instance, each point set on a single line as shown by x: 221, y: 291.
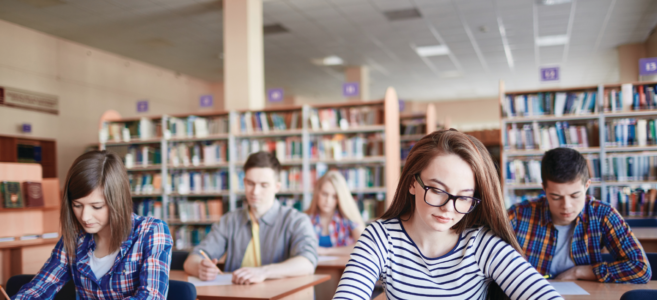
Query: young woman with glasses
x: 446, y: 233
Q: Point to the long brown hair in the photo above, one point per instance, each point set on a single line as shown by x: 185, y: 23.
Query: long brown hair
x: 92, y: 170
x: 346, y: 204
x: 490, y: 213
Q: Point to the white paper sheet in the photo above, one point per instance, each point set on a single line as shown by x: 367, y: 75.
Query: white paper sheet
x: 222, y: 279
x: 327, y: 258
x: 568, y: 288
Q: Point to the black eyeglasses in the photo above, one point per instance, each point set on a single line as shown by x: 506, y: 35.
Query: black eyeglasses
x: 437, y: 198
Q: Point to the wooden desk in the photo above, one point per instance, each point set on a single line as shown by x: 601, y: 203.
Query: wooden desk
x: 334, y: 268
x: 284, y: 289
x: 647, y: 237
x: 597, y: 291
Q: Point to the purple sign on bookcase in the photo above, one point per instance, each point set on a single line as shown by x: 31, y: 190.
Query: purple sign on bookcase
x: 275, y: 95
x: 350, y: 89
x: 550, y: 74
x: 401, y: 105
x: 26, y: 128
x: 142, y: 106
x: 206, y: 101
x: 648, y: 66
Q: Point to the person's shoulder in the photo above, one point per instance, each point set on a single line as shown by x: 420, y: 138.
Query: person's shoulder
x: 597, y: 209
x: 145, y: 224
x: 532, y: 204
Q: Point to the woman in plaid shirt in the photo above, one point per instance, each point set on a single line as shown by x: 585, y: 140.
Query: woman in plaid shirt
x: 334, y: 215
x: 108, y: 252
x: 563, y: 233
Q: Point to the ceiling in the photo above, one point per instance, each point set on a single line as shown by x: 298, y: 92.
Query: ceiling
x: 186, y: 36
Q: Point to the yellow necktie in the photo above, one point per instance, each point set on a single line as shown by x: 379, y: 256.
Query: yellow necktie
x: 252, y: 254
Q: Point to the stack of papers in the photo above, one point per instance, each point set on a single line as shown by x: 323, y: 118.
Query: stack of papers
x: 221, y: 279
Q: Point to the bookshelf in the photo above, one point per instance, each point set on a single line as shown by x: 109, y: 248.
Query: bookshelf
x: 186, y: 162
x: 414, y: 126
x: 28, y: 234
x: 30, y: 150
x: 616, y: 134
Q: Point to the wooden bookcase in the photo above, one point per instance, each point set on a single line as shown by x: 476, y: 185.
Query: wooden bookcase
x: 599, y: 150
x: 236, y: 139
x: 9, y: 152
x: 28, y: 256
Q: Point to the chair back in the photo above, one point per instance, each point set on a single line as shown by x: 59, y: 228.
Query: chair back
x: 15, y: 283
x: 640, y: 295
x: 178, y: 260
x: 181, y: 290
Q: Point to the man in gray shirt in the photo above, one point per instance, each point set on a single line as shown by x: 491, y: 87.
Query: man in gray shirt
x: 287, y: 242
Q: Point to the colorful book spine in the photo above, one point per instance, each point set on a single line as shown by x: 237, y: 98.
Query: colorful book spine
x: 557, y: 104
x: 561, y: 134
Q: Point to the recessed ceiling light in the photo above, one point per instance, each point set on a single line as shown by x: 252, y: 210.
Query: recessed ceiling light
x: 331, y: 60
x: 552, y: 40
x: 553, y: 2
x: 273, y: 29
x: 434, y: 50
x: 402, y: 14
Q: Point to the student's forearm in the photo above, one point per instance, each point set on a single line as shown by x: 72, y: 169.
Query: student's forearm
x: 585, y: 273
x: 192, y: 264
x: 341, y: 251
x: 295, y: 266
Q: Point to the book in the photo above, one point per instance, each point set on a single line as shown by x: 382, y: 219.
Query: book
x: 11, y: 194
x: 33, y: 194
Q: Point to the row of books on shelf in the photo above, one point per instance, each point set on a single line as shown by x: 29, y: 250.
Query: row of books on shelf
x: 198, y: 210
x: 631, y: 168
x: 285, y: 149
x: 185, y: 237
x: 629, y: 202
x: 196, y: 127
x: 148, y: 208
x: 145, y: 183
x: 250, y: 122
x: 548, y: 103
x: 142, y: 156
x: 631, y: 132
x: 411, y: 127
x: 49, y: 235
x: 520, y: 171
x: 345, y: 118
x: 290, y: 178
x: 143, y: 128
x: 198, y: 182
x: 627, y: 98
x: 15, y: 194
x: 195, y: 154
x: 340, y: 146
x: 561, y: 134
x: 363, y: 177
x: 642, y: 97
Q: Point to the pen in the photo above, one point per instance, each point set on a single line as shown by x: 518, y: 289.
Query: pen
x: 208, y: 258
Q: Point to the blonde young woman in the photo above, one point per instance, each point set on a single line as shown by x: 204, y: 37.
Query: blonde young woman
x: 334, y: 215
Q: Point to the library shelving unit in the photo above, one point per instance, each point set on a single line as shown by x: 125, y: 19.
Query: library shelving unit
x: 28, y: 234
x: 30, y: 150
x: 187, y: 169
x: 414, y: 126
x: 616, y: 134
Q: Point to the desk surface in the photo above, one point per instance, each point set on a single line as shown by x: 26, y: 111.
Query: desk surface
x: 597, y: 291
x: 645, y: 233
x: 269, y: 290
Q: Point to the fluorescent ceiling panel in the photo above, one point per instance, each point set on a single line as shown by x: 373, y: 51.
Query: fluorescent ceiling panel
x: 552, y: 40
x: 426, y: 51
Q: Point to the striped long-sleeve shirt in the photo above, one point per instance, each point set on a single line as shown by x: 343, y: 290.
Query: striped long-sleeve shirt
x: 386, y: 252
x: 598, y: 226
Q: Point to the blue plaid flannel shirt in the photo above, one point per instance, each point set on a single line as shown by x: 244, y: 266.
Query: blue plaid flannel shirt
x: 140, y: 271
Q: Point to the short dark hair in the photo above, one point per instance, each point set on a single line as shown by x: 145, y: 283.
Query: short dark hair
x: 263, y: 159
x: 563, y: 165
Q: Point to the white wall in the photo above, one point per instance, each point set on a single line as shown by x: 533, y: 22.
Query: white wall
x: 88, y: 82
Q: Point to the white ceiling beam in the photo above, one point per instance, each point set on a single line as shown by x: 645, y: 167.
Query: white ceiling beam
x: 571, y: 20
x: 471, y: 37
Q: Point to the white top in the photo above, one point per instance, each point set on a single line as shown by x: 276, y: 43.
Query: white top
x: 385, y: 251
x: 561, y: 260
x: 100, y: 266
